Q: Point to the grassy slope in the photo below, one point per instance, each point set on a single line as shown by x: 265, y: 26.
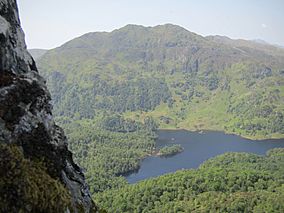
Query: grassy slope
x: 211, y: 113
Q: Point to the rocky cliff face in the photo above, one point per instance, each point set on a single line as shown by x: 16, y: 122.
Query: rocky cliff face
x: 26, y: 113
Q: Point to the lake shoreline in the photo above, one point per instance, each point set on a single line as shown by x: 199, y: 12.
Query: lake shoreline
x: 155, y: 152
x: 198, y: 146
x: 253, y: 138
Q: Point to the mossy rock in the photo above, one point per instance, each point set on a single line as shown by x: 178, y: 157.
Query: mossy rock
x: 25, y: 185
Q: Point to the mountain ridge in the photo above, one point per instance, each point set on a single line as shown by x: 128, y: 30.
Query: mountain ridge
x: 114, y: 40
x: 173, y: 26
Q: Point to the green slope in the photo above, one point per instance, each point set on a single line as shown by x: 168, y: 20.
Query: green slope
x: 181, y: 79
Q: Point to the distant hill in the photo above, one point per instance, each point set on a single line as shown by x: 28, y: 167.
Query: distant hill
x: 264, y: 42
x: 255, y: 45
x: 37, y: 53
x: 260, y: 41
x: 181, y: 79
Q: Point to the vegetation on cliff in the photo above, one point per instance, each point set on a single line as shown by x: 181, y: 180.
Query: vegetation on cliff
x: 38, y: 173
x: 25, y: 185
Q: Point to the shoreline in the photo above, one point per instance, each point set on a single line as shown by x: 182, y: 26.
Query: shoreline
x: 154, y: 153
x: 258, y: 138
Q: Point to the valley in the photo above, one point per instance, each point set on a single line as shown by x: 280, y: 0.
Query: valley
x: 118, y: 94
x: 141, y: 119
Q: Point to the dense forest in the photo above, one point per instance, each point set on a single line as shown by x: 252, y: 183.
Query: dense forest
x: 232, y: 182
x: 109, y: 148
x: 180, y: 79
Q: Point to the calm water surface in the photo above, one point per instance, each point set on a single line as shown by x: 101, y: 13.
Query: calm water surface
x: 198, y: 147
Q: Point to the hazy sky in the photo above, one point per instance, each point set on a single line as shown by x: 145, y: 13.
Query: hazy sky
x: 50, y: 23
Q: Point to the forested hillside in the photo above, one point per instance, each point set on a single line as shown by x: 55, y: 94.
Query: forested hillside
x: 109, y: 147
x: 233, y: 182
x: 179, y: 78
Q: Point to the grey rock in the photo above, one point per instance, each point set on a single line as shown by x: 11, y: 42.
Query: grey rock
x: 26, y: 113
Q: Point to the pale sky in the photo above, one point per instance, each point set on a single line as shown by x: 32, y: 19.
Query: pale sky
x: 50, y: 23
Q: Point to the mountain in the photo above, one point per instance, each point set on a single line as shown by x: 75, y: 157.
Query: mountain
x: 181, y: 79
x: 37, y: 171
x: 37, y: 53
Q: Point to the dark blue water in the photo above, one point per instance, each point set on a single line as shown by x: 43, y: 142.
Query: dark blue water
x: 197, y: 149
